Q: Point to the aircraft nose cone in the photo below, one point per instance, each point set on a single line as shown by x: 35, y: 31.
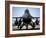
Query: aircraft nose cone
x: 26, y: 16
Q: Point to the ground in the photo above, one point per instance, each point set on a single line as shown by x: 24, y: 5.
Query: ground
x: 37, y: 27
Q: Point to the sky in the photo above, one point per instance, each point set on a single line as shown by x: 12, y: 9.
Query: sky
x: 19, y: 11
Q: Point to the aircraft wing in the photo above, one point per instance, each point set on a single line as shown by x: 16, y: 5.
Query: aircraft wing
x: 17, y: 17
x: 22, y: 17
x: 35, y: 17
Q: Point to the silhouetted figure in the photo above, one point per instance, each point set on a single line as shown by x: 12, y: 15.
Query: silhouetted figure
x: 19, y: 23
x: 37, y: 21
x: 16, y: 22
x: 22, y: 26
x: 33, y: 26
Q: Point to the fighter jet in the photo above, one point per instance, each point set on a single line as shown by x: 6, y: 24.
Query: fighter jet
x: 27, y: 19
